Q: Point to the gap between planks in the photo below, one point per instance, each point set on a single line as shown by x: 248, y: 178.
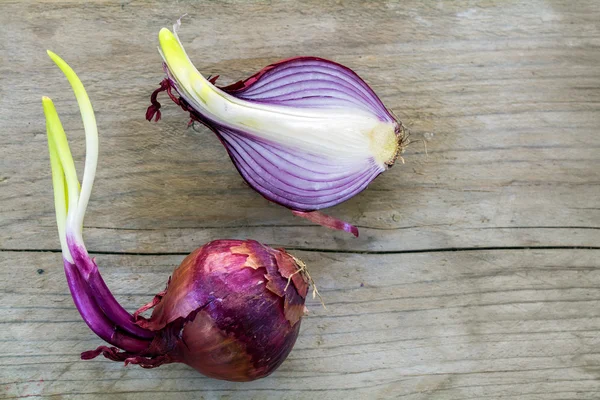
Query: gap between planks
x: 315, y: 250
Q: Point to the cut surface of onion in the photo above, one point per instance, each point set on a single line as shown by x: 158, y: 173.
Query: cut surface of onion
x: 306, y: 133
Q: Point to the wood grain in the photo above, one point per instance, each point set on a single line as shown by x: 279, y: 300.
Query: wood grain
x: 454, y: 325
x: 476, y: 274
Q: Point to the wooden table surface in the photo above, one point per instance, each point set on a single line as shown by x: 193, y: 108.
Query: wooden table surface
x: 477, y: 273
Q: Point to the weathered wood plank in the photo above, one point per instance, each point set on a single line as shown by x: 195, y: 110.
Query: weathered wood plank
x: 451, y: 325
x: 508, y: 102
x: 506, y: 96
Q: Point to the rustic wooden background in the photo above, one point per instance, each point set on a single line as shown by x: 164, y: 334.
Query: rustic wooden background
x: 477, y: 272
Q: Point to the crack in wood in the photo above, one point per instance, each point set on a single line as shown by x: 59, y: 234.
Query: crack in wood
x: 340, y: 251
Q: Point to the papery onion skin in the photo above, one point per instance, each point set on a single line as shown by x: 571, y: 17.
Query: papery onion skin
x: 242, y: 324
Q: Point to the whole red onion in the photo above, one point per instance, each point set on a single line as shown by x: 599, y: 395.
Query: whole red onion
x: 231, y: 310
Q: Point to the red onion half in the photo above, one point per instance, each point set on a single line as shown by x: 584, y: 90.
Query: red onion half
x: 306, y: 133
x: 231, y: 310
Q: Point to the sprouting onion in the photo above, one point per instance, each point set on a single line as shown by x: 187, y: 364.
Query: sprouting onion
x: 231, y: 310
x: 306, y: 133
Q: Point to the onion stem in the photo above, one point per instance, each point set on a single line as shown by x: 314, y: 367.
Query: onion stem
x: 85, y: 301
x: 96, y: 304
x: 58, y: 181
x: 64, y: 177
x: 75, y: 219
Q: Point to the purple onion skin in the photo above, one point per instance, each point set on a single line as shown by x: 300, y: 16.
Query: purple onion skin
x: 226, y: 313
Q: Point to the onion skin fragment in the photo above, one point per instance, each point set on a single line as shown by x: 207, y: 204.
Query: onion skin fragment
x: 327, y: 220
